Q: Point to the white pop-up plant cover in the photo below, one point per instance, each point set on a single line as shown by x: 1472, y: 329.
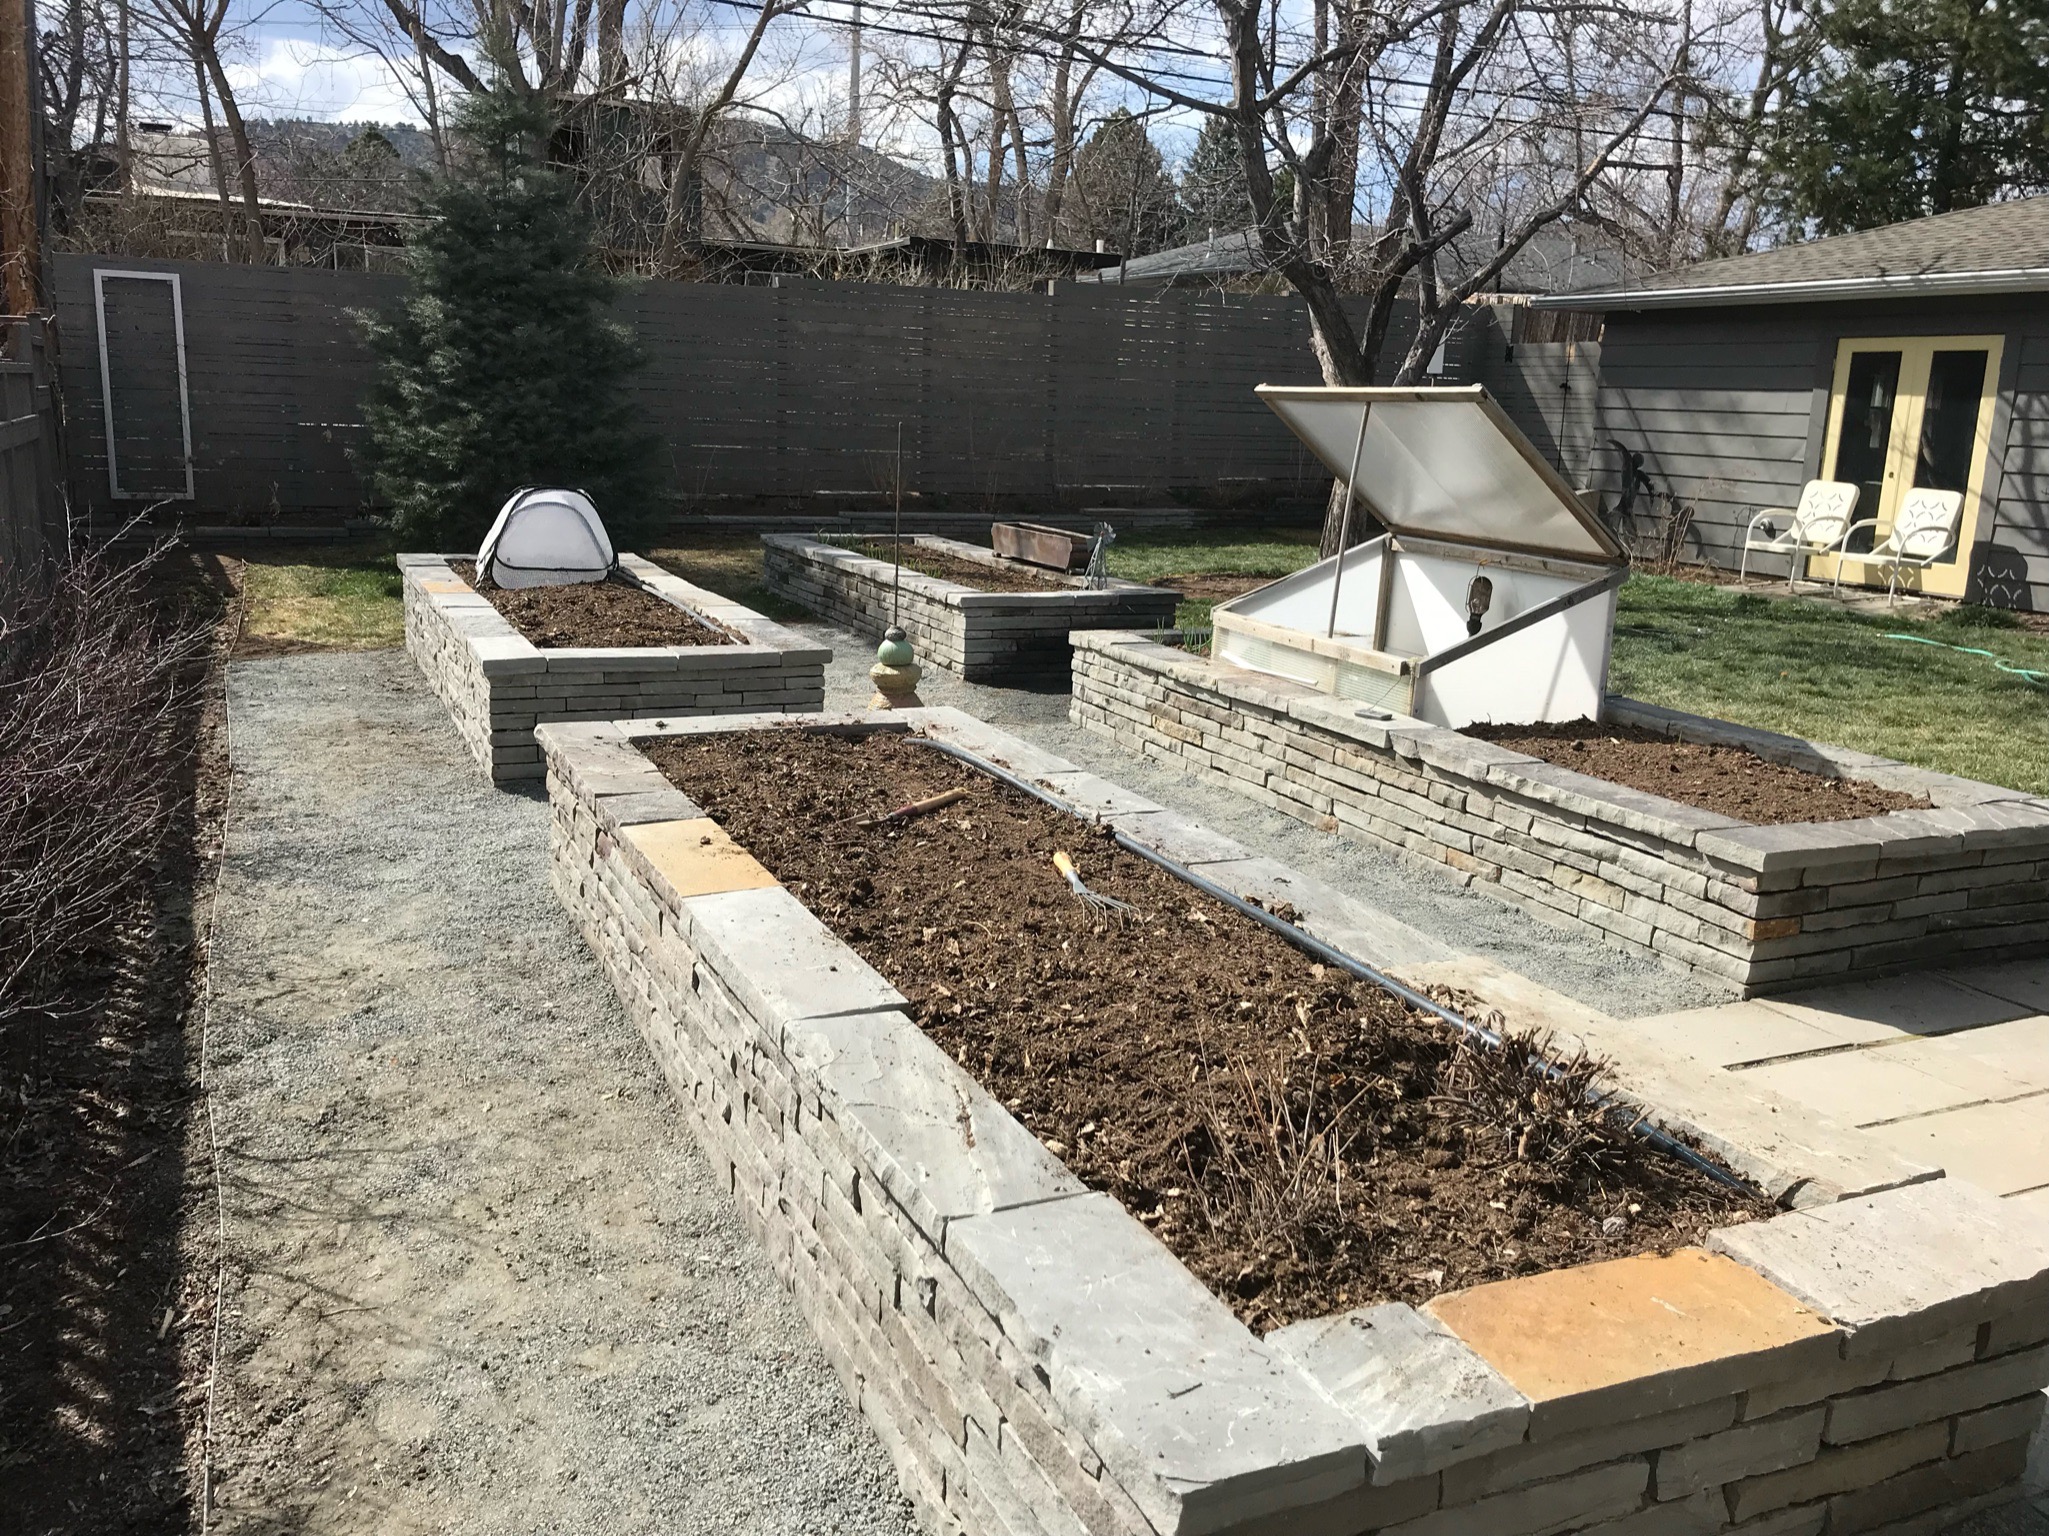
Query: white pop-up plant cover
x: 546, y: 537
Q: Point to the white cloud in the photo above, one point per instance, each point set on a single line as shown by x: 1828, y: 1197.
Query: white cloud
x: 299, y: 76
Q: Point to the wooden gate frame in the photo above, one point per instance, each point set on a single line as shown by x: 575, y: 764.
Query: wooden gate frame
x: 99, y: 294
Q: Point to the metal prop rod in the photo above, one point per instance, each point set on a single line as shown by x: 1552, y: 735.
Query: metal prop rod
x: 896, y: 548
x: 1337, y: 575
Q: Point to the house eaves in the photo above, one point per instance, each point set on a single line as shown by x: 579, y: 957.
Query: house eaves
x: 1819, y: 290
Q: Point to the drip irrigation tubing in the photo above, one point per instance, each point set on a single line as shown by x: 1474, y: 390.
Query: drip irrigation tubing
x: 1317, y: 950
x: 2033, y: 676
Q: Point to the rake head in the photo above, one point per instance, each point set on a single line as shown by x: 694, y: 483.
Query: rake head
x: 1065, y: 864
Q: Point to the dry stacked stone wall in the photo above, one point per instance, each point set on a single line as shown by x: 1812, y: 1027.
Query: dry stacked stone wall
x: 1762, y: 908
x: 982, y: 636
x: 1037, y: 1364
x: 498, y: 685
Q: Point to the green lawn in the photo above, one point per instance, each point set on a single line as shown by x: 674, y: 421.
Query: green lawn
x: 1817, y: 671
x: 1167, y: 552
x: 325, y: 596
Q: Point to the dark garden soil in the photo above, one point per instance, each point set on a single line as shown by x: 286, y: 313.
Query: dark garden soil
x: 1215, y: 586
x: 613, y: 612
x: 957, y: 568
x: 1304, y: 1142
x: 1731, y: 781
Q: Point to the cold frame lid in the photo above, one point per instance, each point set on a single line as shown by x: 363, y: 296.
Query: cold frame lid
x: 1445, y: 463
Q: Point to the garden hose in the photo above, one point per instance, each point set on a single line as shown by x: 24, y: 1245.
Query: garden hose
x: 1317, y: 950
x: 2033, y: 676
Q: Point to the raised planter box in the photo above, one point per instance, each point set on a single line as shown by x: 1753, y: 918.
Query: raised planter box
x: 498, y: 685
x: 983, y: 636
x: 1764, y: 908
x: 1037, y: 1362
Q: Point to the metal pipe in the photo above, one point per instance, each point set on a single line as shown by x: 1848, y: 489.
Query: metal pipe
x: 1337, y: 574
x: 1316, y: 949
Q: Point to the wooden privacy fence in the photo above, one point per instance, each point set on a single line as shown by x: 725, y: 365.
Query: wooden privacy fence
x: 32, y: 513
x: 251, y: 376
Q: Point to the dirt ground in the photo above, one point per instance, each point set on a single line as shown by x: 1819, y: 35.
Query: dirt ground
x: 968, y: 573
x: 1303, y: 1141
x: 595, y: 613
x: 479, y: 1280
x: 1728, y: 780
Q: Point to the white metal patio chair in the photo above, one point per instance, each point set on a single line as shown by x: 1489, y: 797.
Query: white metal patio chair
x: 1817, y: 526
x: 1921, y: 534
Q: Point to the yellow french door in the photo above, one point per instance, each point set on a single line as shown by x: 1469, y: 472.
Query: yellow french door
x: 1908, y: 412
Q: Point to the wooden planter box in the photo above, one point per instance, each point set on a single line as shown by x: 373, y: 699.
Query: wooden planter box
x: 1037, y: 544
x: 498, y: 685
x: 1764, y: 908
x: 1035, y: 1361
x: 1012, y: 637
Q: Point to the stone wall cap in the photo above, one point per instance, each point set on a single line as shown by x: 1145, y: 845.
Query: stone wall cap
x: 1202, y: 1423
x: 1901, y: 1266
x: 942, y: 1147
x: 782, y: 962
x: 1423, y: 1398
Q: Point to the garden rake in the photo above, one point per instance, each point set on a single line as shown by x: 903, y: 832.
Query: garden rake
x: 1064, y: 862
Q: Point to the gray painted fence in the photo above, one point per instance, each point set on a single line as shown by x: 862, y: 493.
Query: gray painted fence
x: 786, y: 391
x: 32, y: 521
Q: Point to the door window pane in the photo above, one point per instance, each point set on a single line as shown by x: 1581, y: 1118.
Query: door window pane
x: 1866, y: 432
x: 1949, y: 421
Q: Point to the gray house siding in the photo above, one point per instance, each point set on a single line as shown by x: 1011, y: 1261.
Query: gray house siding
x: 1729, y: 406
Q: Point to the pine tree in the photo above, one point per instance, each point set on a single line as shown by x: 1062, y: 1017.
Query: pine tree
x: 1121, y: 194
x: 1213, y: 195
x: 503, y: 366
x: 1910, y: 108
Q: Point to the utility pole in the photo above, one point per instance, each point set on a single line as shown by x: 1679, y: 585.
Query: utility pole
x: 854, y: 79
x: 21, y: 181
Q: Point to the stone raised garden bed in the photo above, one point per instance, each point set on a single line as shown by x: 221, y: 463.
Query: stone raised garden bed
x: 984, y: 633
x: 1763, y: 907
x: 498, y: 684
x: 1037, y: 1360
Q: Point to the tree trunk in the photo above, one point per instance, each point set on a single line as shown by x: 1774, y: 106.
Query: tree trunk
x: 245, y: 158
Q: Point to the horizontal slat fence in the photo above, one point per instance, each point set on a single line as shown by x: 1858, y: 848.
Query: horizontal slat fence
x: 787, y: 391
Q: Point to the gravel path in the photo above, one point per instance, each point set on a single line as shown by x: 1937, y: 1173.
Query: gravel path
x: 480, y: 1279
x: 1560, y: 958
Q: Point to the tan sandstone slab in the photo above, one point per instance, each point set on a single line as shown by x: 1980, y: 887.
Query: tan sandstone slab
x: 1923, y: 1004
x: 2003, y: 1148
x: 442, y: 584
x: 1734, y: 1033
x: 1871, y: 1087
x: 697, y: 858
x: 2020, y: 1049
x: 1636, y: 1335
x: 2024, y: 983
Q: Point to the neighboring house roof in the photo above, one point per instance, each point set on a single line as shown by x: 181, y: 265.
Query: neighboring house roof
x: 2001, y: 248
x: 1556, y: 256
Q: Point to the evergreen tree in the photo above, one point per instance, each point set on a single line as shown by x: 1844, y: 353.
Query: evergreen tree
x: 1213, y: 195
x: 1910, y: 108
x: 503, y: 366
x: 1121, y: 194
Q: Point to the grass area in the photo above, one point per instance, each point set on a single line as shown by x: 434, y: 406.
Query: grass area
x: 326, y: 596
x: 730, y: 565
x: 1157, y: 553
x: 1815, y: 670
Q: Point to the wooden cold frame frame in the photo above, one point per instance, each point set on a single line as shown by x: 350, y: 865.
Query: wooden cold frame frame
x: 1947, y: 577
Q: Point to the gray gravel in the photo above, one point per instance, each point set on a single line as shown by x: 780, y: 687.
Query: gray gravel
x: 480, y: 1279
x: 1420, y: 895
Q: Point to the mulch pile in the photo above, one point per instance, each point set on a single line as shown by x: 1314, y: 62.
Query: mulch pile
x: 1304, y: 1142
x: 1731, y: 781
x: 613, y: 612
x: 955, y: 568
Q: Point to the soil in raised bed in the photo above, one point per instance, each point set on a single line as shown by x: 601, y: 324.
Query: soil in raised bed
x: 1731, y: 781
x: 609, y: 613
x: 958, y: 568
x: 1303, y: 1141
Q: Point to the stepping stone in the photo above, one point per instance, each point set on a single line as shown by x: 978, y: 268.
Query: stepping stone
x: 1913, y: 1005
x: 2000, y: 1147
x: 1873, y: 1086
